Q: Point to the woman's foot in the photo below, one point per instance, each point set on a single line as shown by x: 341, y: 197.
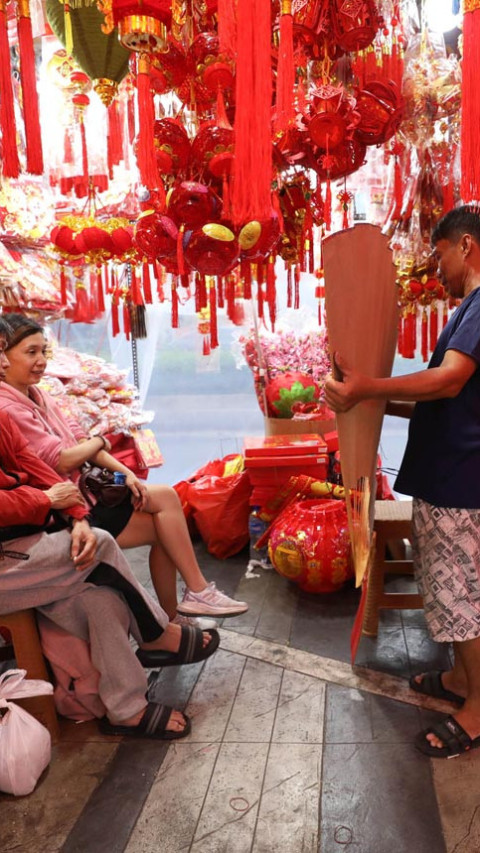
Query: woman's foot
x: 176, y: 722
x: 440, y: 684
x: 169, y: 641
x: 210, y: 601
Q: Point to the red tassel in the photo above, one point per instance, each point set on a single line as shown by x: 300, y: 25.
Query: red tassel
x: 131, y: 117
x: 126, y: 320
x: 31, y: 116
x: 230, y: 297
x: 445, y: 315
x: 200, y: 293
x: 400, y: 335
x: 433, y: 325
x: 260, y: 300
x: 289, y: 286
x: 160, y: 277
x: 296, y: 301
x: 147, y: 285
x: 83, y: 138
x: 327, y: 210
x: 253, y: 97
x: 180, y: 257
x: 470, y: 162
x: 146, y: 159
x: 271, y: 291
x: 67, y: 147
x: 227, y: 25
x: 115, y: 321
x: 82, y: 312
x: 174, y: 304
x: 99, y: 290
x: 63, y: 285
x: 212, y: 299
x: 246, y: 274
x: 10, y: 161
x: 424, y: 335
x: 220, y: 291
x: 206, y: 345
x: 114, y: 138
x: 136, y: 293
x: 285, y: 112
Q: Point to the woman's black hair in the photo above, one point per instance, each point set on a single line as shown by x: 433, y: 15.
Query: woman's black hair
x: 20, y: 327
x: 4, y: 328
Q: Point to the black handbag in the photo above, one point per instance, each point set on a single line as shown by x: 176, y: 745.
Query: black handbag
x: 99, y: 482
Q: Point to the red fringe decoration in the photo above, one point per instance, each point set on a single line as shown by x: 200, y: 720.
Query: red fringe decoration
x: 289, y: 286
x: 31, y: 116
x: 131, y: 119
x: 227, y: 25
x: 114, y: 137
x: 147, y: 285
x: 82, y: 311
x: 409, y: 334
x: 260, y: 300
x: 146, y: 159
x: 126, y: 320
x: 135, y: 291
x: 160, y: 277
x: 200, y: 292
x: 296, y: 300
x: 253, y: 99
x: 470, y: 162
x: 424, y: 335
x: 67, y: 147
x: 174, y: 304
x: 99, y: 290
x: 115, y: 321
x: 113, y: 283
x: 271, y: 291
x: 327, y: 210
x: 212, y: 299
x: 230, y: 298
x: 285, y: 111
x: 246, y: 274
x: 63, y: 285
x: 206, y: 345
x: 220, y: 291
x: 400, y: 335
x: 433, y: 326
x: 10, y: 161
x: 180, y: 257
x: 398, y: 188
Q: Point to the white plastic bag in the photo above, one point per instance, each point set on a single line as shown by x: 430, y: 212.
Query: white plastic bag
x: 25, y: 745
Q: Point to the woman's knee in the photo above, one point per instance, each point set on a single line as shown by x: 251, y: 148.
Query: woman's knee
x: 161, y: 498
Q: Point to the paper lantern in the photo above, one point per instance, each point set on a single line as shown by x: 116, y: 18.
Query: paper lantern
x: 309, y: 545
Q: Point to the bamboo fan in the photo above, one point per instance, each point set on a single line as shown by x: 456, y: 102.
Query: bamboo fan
x: 362, y: 317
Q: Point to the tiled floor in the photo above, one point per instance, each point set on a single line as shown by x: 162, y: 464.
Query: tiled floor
x: 291, y: 750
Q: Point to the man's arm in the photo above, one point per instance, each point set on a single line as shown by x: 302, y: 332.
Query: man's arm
x: 437, y: 383
x: 399, y: 409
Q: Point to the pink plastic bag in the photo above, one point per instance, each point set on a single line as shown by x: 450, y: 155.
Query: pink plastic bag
x: 25, y: 745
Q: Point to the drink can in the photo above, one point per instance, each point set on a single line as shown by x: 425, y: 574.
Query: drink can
x: 119, y: 479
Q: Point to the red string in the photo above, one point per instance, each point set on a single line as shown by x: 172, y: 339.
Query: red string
x: 10, y: 161
x: 31, y: 116
x: 212, y: 298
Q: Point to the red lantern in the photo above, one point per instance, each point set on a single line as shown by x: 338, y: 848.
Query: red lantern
x: 334, y: 117
x: 172, y: 146
x: 212, y: 249
x: 355, y: 23
x: 258, y: 239
x: 309, y: 545
x: 212, y: 149
x: 380, y: 107
x: 155, y: 236
x: 191, y: 204
x: 142, y: 24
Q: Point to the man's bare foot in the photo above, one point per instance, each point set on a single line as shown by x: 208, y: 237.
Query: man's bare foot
x: 176, y: 722
x: 469, y: 721
x: 169, y: 641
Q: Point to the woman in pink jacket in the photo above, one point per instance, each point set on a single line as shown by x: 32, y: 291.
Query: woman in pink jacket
x: 152, y: 516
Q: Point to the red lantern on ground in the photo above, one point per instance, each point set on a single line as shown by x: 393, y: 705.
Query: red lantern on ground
x: 310, y: 545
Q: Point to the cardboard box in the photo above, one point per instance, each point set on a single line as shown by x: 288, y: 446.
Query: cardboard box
x: 288, y: 426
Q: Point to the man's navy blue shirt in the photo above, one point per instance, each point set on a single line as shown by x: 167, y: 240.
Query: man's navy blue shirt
x: 441, y: 464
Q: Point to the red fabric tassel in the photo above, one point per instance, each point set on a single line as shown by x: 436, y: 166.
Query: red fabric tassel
x: 31, y: 116
x: 296, y: 299
x: 289, y: 286
x: 253, y: 98
x: 470, y: 162
x: 67, y: 147
x: 227, y: 26
x: 220, y: 292
x: 229, y: 297
x: 409, y: 334
x: 174, y: 304
x: 327, y: 210
x: 271, y: 291
x: 82, y: 312
x: 147, y: 285
x: 260, y: 300
x: 200, y: 292
x: 115, y: 321
x: 285, y: 111
x: 135, y: 291
x: 113, y: 283
x: 206, y: 348
x: 433, y: 325
x: 160, y: 277
x: 400, y: 335
x: 10, y: 161
x: 83, y: 137
x: 180, y: 257
x: 424, y: 335
x: 131, y: 118
x: 114, y: 137
x: 146, y: 159
x: 212, y: 300
x: 246, y: 274
x: 126, y: 320
x: 99, y: 290
x: 63, y: 285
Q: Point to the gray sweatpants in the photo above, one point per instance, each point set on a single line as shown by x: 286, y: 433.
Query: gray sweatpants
x: 49, y: 581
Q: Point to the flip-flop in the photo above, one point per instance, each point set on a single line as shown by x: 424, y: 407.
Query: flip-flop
x: 191, y: 649
x: 455, y: 739
x: 152, y: 725
x: 431, y: 685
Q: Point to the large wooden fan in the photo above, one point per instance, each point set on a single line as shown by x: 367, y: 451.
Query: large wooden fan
x: 362, y: 319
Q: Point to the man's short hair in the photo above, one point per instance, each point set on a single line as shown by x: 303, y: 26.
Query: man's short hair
x: 460, y: 220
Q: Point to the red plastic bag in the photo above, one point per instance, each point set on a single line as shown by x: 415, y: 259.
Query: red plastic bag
x: 124, y: 449
x: 220, y: 506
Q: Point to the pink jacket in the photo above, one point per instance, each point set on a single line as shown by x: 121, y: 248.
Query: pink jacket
x: 41, y: 421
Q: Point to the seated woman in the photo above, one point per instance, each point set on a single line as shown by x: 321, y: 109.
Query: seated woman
x: 152, y: 516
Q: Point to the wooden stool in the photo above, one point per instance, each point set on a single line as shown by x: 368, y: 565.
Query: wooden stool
x: 393, y: 521
x: 28, y: 654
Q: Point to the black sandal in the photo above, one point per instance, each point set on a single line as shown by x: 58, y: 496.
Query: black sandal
x: 431, y: 685
x: 191, y: 649
x: 455, y: 740
x: 152, y: 725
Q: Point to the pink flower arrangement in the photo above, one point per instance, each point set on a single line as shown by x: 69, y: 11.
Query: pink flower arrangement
x: 271, y: 355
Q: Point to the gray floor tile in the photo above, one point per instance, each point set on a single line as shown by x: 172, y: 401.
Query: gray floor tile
x: 300, y: 711
x: 458, y: 794
x: 353, y: 716
x: 424, y: 654
x: 387, y: 652
x: 289, y: 807
x: 253, y: 714
x: 212, y: 700
x: 228, y: 818
x: 281, y: 598
x: 378, y: 798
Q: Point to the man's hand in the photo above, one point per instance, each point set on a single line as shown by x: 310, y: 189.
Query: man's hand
x: 84, y: 545
x: 354, y: 387
x: 65, y: 495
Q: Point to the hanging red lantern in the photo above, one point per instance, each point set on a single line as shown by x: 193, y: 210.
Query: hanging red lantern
x: 334, y: 117
x: 155, y: 236
x: 380, y: 107
x: 212, y: 250
x: 355, y: 23
x: 172, y: 146
x: 309, y: 544
x: 192, y: 204
x: 257, y: 240
x: 212, y: 149
x: 142, y: 24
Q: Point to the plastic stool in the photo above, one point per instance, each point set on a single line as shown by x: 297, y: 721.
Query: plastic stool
x: 28, y: 654
x: 393, y: 521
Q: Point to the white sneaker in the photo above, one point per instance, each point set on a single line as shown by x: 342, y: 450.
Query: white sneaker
x: 210, y: 602
x: 203, y: 624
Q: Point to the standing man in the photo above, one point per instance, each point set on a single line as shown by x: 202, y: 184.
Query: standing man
x: 441, y: 471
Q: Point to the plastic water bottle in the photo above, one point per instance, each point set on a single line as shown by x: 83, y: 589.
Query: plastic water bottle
x: 119, y: 479
x: 256, y: 528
